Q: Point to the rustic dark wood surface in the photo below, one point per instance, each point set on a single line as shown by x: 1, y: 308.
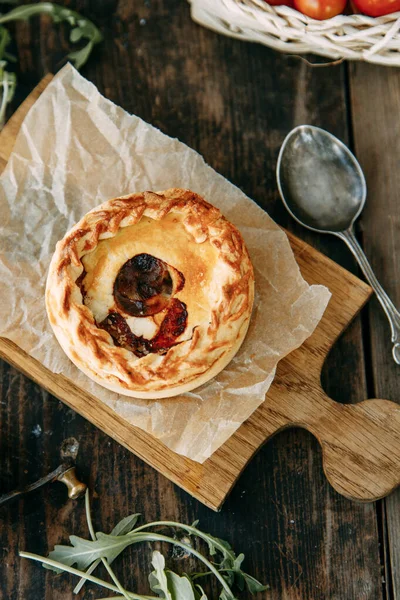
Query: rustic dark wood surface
x: 234, y: 103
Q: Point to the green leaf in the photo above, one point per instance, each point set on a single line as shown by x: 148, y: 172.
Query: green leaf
x: 5, y: 39
x: 122, y: 528
x: 79, y: 57
x: 229, y: 577
x: 231, y: 564
x: 253, y: 585
x: 218, y: 546
x: 238, y: 561
x: 78, y: 553
x: 180, y: 587
x: 167, y: 584
x: 200, y: 593
x: 214, y: 545
x: 225, y: 596
x: 126, y: 525
x: 84, y: 552
x: 7, y: 86
x: 82, y: 27
x: 10, y: 57
x: 110, y: 546
x: 158, y: 578
x: 75, y: 35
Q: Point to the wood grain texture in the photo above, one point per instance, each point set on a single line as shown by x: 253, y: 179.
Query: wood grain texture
x: 234, y: 103
x: 375, y: 95
x: 358, y: 462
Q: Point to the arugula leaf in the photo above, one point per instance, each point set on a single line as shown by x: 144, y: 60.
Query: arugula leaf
x: 82, y: 552
x: 125, y: 525
x: 167, y: 584
x: 85, y: 552
x: 231, y: 564
x: 199, y: 593
x: 82, y: 29
x: 253, y: 585
x: 199, y: 590
x: 7, y: 80
x: 87, y: 29
x: 216, y: 545
x: 181, y: 588
x: 122, y: 528
x: 158, y: 578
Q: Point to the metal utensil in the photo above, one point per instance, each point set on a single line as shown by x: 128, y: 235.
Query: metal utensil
x: 323, y: 188
x: 65, y: 473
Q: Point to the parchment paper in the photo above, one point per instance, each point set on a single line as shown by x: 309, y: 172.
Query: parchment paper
x: 77, y: 149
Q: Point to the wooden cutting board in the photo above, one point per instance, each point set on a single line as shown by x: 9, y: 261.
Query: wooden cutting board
x: 360, y: 443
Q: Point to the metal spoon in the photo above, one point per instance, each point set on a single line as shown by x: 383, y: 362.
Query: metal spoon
x: 323, y: 187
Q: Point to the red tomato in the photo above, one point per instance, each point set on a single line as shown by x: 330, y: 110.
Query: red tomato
x: 322, y: 9
x: 377, y: 8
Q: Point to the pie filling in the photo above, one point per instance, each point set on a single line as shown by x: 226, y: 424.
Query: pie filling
x: 144, y: 287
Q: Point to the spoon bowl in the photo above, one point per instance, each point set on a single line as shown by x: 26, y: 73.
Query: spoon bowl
x: 323, y: 188
x: 320, y: 180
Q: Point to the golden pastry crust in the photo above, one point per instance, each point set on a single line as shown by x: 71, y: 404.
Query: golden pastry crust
x: 209, y: 272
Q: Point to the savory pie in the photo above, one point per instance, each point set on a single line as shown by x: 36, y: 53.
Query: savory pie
x: 151, y: 294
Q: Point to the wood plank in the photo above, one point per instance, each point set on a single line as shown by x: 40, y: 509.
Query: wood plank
x: 233, y: 102
x: 375, y: 95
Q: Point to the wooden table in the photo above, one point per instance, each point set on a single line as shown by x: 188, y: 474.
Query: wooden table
x: 234, y: 103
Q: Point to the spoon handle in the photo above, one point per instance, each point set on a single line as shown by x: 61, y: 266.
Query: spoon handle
x: 392, y: 313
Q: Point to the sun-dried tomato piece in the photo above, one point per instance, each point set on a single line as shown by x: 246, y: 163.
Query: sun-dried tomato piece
x: 116, y: 325
x: 172, y: 326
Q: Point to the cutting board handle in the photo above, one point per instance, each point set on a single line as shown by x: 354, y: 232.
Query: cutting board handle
x: 360, y: 445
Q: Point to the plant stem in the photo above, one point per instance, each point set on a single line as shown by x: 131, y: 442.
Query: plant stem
x: 206, y: 573
x: 115, y: 579
x: 103, y: 560
x: 101, y: 582
x: 189, y: 529
x: 90, y: 570
x: 198, y: 575
x: 4, y: 98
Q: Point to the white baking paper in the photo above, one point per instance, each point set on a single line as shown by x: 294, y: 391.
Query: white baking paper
x: 76, y: 149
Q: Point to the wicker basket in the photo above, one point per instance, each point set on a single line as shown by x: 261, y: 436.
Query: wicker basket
x: 353, y: 37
